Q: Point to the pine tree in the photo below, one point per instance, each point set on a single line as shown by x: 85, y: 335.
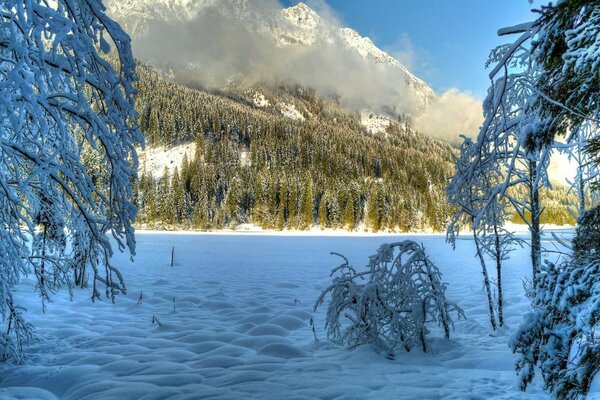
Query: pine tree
x: 306, y: 209
x: 165, y: 198
x: 372, y: 218
x: 323, y: 214
x: 349, y: 213
x: 178, y: 195
x: 281, y: 209
x: 292, y: 205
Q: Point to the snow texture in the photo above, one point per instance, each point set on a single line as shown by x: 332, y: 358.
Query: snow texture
x: 259, y: 100
x: 232, y: 320
x: 373, y: 122
x: 290, y: 111
x: 154, y: 160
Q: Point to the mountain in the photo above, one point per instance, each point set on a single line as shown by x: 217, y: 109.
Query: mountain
x: 287, y: 159
x: 279, y: 154
x: 297, y: 27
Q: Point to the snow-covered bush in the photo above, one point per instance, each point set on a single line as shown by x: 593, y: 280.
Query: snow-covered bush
x: 392, y: 302
x: 561, y: 333
x: 61, y: 94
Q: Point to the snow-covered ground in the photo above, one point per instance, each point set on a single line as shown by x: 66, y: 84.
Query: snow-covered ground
x: 259, y: 100
x: 154, y: 160
x: 289, y: 110
x: 234, y: 314
x: 373, y: 122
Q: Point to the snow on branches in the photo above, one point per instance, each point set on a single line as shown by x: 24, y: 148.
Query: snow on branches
x: 61, y: 94
x: 484, y: 213
x: 560, y: 335
x: 545, y: 85
x: 402, y: 292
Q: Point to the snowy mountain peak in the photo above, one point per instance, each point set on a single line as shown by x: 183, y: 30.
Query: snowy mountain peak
x: 295, y: 26
x: 302, y: 15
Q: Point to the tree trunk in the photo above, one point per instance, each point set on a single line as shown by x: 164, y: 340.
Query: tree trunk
x: 581, y: 180
x: 534, y: 200
x: 498, y: 255
x: 43, y: 260
x: 486, y: 281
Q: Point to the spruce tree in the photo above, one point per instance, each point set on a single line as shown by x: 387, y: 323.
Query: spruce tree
x: 306, y: 209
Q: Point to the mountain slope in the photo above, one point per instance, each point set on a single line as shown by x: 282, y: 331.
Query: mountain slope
x: 290, y: 29
x: 234, y: 161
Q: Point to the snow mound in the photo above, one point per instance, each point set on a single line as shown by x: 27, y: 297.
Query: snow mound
x: 282, y: 350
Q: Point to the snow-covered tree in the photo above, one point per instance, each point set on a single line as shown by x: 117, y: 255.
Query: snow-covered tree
x: 391, y: 302
x: 560, y: 335
x: 558, y: 96
x: 567, y: 46
x: 63, y: 93
x: 463, y: 193
x: 587, y: 174
x: 485, y: 215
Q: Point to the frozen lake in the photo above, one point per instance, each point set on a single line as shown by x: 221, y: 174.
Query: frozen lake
x: 234, y: 314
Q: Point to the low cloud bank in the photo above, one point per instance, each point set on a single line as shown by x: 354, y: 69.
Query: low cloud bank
x: 214, y: 47
x: 450, y: 115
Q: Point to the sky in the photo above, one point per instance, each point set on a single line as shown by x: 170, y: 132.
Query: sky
x: 444, y: 42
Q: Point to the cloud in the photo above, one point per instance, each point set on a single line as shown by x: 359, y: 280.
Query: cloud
x: 417, y: 59
x: 325, y: 11
x: 561, y: 169
x: 404, y: 51
x: 450, y: 115
x: 214, y: 47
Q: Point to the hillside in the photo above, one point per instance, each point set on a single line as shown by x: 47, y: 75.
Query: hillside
x: 210, y: 42
x: 254, y: 163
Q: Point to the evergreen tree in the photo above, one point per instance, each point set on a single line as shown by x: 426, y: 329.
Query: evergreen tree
x: 349, y: 213
x: 306, y: 209
x: 178, y: 196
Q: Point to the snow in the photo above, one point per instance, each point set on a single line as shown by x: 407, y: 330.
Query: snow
x: 295, y: 26
x: 245, y: 159
x: 302, y: 15
x: 235, y: 315
x: 289, y: 110
x: 155, y: 159
x: 373, y: 122
x: 259, y: 100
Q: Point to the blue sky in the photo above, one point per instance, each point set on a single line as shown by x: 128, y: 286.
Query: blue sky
x: 445, y: 42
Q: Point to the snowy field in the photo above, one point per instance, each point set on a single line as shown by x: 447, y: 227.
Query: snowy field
x: 234, y: 314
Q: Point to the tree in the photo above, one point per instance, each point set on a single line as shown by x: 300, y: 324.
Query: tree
x: 178, y: 196
x: 373, y: 216
x: 349, y: 212
x: 61, y: 92
x: 560, y: 334
x: 390, y: 302
x: 165, y: 198
x: 466, y: 192
x: 587, y: 173
x: 307, y: 207
x: 556, y: 91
